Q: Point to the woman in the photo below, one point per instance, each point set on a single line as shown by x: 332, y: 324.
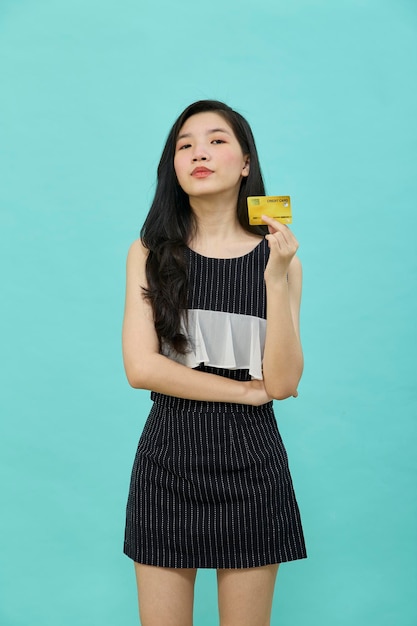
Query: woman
x: 211, y: 327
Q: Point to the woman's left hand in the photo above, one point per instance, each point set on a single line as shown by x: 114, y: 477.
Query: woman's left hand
x: 283, y: 246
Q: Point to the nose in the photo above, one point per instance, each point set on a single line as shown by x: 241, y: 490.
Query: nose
x: 200, y: 154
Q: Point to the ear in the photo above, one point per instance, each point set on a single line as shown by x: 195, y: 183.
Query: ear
x: 246, y: 165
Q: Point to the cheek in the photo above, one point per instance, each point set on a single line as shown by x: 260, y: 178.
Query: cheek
x: 181, y: 172
x: 234, y: 160
x: 177, y: 166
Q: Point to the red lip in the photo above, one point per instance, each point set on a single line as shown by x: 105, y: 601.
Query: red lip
x: 201, y: 172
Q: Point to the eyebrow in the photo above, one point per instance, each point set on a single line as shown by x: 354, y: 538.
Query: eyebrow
x: 209, y: 132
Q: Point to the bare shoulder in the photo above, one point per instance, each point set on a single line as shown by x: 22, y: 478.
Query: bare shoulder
x: 136, y: 258
x: 137, y: 251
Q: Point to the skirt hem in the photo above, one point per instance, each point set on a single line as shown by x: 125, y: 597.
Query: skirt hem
x: 180, y: 563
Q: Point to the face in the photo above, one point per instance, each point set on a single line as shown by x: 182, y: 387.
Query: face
x: 208, y: 158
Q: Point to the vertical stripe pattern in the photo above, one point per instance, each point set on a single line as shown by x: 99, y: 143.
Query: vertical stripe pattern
x: 210, y: 484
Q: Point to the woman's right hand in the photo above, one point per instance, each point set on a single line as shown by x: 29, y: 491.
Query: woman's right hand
x: 257, y: 394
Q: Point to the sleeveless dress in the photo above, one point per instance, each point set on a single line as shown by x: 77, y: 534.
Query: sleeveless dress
x: 210, y: 484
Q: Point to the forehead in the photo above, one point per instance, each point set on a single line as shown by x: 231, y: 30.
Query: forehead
x: 205, y: 122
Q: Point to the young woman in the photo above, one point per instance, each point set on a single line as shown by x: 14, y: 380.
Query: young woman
x: 211, y: 327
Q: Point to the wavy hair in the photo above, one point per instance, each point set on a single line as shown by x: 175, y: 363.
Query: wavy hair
x: 169, y: 225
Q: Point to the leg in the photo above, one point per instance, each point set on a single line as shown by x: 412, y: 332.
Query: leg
x: 165, y: 595
x: 245, y: 595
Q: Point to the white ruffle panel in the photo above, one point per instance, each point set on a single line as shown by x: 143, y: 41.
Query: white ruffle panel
x: 226, y: 340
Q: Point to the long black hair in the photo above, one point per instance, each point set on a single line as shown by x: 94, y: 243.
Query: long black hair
x: 169, y: 224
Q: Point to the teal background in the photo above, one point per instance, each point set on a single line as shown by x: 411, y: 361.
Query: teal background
x: 89, y: 90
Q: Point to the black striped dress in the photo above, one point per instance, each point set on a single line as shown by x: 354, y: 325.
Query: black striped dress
x: 210, y: 484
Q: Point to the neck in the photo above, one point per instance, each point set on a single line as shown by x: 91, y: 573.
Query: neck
x: 215, y: 217
x: 218, y: 231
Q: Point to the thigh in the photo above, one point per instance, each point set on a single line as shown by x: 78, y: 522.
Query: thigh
x: 165, y: 595
x: 245, y: 595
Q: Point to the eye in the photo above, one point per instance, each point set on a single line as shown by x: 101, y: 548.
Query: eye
x: 218, y: 141
x: 184, y: 146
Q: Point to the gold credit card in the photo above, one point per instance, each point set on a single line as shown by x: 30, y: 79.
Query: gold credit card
x: 277, y: 207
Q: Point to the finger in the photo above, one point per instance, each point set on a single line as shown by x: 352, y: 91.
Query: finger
x: 284, y: 232
x: 280, y: 239
x: 274, y: 240
x: 280, y: 248
x: 278, y: 226
x: 275, y: 227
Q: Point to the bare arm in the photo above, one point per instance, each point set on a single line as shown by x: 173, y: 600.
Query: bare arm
x: 283, y: 357
x: 146, y: 368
